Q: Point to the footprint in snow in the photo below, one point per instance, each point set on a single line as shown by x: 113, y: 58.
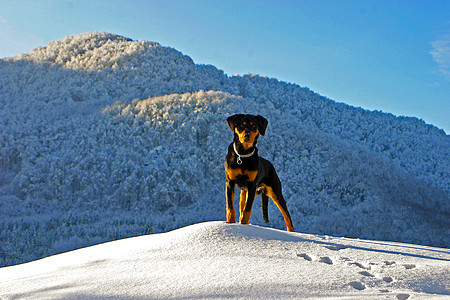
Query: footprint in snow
x: 365, y: 273
x: 359, y: 265
x: 336, y: 247
x: 322, y: 259
x: 357, y: 285
x: 305, y: 256
x: 409, y: 266
x: 326, y: 260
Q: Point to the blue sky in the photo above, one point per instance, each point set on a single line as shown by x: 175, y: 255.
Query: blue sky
x: 390, y: 55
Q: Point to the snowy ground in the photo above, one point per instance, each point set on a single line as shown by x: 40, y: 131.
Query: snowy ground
x: 215, y: 260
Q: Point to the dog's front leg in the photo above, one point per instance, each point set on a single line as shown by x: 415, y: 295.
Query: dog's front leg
x: 245, y: 215
x: 230, y: 201
x: 242, y: 202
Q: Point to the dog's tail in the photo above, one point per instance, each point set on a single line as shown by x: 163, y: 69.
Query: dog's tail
x: 265, y: 203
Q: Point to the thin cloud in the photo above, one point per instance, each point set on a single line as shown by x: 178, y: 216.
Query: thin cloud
x: 441, y: 54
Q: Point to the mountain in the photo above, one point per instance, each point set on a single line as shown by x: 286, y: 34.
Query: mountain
x: 215, y: 260
x: 104, y: 138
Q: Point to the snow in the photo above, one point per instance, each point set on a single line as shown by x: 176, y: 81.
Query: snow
x: 215, y: 260
x: 104, y: 138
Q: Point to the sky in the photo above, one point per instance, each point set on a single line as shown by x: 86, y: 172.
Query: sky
x: 388, y: 55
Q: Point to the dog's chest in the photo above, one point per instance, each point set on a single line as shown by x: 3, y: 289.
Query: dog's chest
x: 241, y: 176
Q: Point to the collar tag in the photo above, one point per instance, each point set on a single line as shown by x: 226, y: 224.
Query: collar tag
x: 239, y: 159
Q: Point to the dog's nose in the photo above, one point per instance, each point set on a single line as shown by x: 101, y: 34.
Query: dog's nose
x: 247, y: 136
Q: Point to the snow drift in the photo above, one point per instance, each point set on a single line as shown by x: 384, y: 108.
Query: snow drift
x: 216, y: 260
x: 104, y: 138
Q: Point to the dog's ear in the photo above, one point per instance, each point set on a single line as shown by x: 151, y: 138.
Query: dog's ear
x: 261, y: 122
x: 232, y: 120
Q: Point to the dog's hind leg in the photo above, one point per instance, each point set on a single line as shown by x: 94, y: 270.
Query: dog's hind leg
x: 281, y: 204
x: 283, y: 208
x: 264, y: 204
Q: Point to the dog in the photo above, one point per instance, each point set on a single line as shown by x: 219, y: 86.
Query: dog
x: 254, y: 175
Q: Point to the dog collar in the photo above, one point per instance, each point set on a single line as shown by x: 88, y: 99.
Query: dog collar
x: 239, y: 160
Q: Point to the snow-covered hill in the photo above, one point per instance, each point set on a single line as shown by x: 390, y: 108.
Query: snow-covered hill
x: 103, y: 138
x: 215, y: 260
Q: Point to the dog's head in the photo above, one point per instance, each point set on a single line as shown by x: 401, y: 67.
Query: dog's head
x: 247, y: 128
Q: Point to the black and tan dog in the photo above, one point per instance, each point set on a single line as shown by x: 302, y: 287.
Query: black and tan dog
x: 252, y: 174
